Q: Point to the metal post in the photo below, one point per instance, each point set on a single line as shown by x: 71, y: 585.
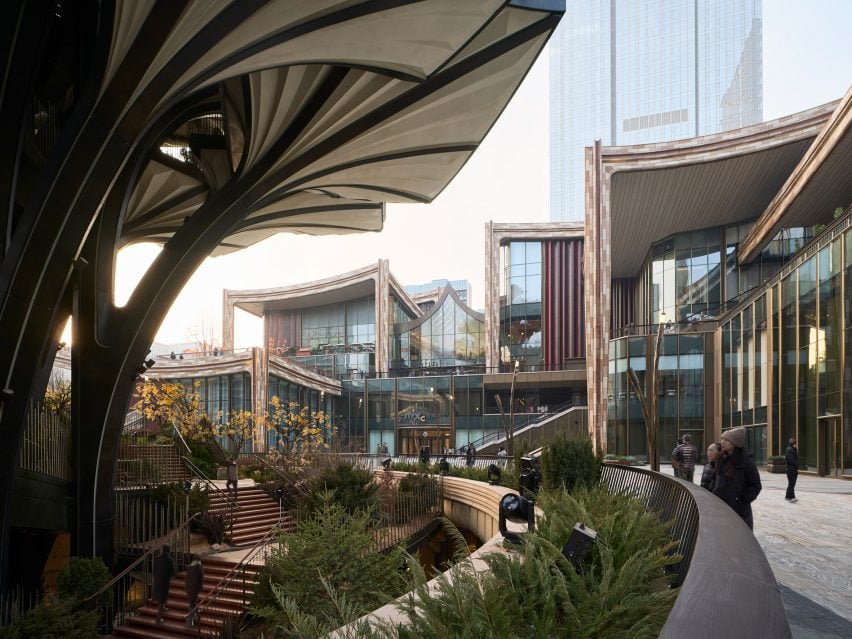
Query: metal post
x: 510, y: 443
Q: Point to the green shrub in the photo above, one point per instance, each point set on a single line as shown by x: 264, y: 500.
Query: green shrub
x: 567, y: 463
x: 353, y: 488
x: 203, y: 458
x: 82, y: 577
x: 622, y: 591
x: 331, y: 545
x: 214, y: 526
x: 199, y: 499
x: 53, y: 619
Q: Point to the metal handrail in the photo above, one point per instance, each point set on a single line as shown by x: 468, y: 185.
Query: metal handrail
x: 228, y: 578
x: 490, y: 438
x: 233, y: 503
x: 136, y: 563
x: 200, y: 473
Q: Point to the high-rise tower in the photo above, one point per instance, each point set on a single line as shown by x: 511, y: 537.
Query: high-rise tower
x: 635, y: 71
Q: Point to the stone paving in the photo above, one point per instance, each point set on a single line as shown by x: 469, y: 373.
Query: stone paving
x: 809, y: 547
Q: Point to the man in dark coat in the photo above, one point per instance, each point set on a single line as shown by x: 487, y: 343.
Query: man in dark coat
x: 737, y: 480
x: 194, y: 581
x: 470, y: 454
x: 684, y: 456
x: 792, y: 457
x: 164, y: 570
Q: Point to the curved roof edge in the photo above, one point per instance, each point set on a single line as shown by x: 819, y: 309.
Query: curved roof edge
x: 652, y: 191
x: 328, y: 290
x: 447, y: 292
x: 835, y: 135
x: 720, y: 145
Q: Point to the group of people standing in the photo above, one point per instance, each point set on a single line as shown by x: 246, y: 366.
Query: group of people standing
x: 730, y: 472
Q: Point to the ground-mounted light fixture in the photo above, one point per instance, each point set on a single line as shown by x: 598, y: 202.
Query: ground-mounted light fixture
x: 516, y: 508
x: 530, y: 478
x: 279, y: 495
x: 494, y: 474
x: 581, y: 540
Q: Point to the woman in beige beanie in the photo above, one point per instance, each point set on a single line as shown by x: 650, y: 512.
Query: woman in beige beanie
x: 737, y: 480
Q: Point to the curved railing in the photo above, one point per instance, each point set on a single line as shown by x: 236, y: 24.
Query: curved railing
x: 727, y: 588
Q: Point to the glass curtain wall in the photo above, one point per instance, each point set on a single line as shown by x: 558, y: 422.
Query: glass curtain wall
x: 448, y: 337
x: 746, y: 375
x: 800, y: 364
x: 681, y: 393
x: 341, y: 338
x: 687, y: 279
x: 520, y: 303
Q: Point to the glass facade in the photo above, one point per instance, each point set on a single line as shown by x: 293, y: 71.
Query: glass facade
x: 314, y: 400
x: 341, y: 338
x: 785, y: 356
x: 683, y: 275
x: 637, y: 71
x: 520, y: 303
x: 449, y: 336
x: 681, y: 395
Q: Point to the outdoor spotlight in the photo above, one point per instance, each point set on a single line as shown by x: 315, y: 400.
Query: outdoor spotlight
x: 494, y: 473
x: 444, y: 466
x: 386, y: 463
x: 279, y: 493
x: 530, y: 478
x: 578, y: 544
x: 514, y: 507
x: 149, y: 363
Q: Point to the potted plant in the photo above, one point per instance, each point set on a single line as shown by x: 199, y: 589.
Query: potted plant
x: 776, y: 464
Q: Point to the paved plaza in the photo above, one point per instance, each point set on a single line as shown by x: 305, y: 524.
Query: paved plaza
x: 809, y: 546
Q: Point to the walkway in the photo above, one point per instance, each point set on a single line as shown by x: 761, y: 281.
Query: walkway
x: 808, y: 546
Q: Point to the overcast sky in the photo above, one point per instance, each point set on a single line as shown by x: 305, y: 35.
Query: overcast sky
x: 807, y: 61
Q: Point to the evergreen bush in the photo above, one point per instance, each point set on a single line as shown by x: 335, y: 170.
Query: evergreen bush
x: 53, y: 619
x: 622, y: 591
x: 330, y: 552
x: 568, y: 463
x: 353, y: 488
x: 81, y: 578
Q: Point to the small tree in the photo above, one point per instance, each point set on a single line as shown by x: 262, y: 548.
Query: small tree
x: 172, y: 403
x: 236, y: 428
x: 57, y: 397
x: 297, y: 429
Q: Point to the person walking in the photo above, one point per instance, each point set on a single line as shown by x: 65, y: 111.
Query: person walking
x: 233, y: 477
x: 194, y: 581
x: 684, y: 455
x: 470, y: 453
x: 737, y: 480
x: 708, y: 475
x: 164, y: 570
x: 502, y: 452
x: 792, y: 457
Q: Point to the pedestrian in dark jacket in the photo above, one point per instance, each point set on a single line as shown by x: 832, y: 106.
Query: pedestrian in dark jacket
x: 164, y: 570
x: 683, y: 457
x: 737, y: 480
x: 470, y: 454
x: 708, y: 475
x: 194, y: 581
x: 792, y: 457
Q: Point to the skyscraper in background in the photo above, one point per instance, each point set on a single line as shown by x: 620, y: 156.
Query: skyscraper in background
x: 635, y: 71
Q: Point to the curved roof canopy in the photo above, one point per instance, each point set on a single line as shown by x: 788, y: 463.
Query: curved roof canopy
x: 332, y: 108
x: 657, y: 190
x: 819, y: 184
